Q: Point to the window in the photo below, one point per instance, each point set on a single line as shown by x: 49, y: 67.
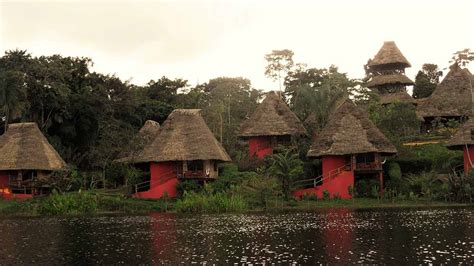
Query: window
x: 365, y: 158
x: 195, y: 166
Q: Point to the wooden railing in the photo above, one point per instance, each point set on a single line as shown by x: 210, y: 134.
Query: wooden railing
x: 147, y: 184
x: 313, y: 182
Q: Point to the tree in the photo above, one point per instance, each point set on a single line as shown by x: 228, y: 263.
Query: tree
x: 395, y: 120
x: 426, y: 81
x: 286, y: 167
x: 278, y: 61
x: 317, y: 91
x: 463, y: 57
x: 12, y: 94
x: 226, y: 102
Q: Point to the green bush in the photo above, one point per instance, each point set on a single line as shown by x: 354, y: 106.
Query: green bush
x: 210, y: 203
x: 70, y: 203
x: 229, y: 177
x: 188, y: 186
x: 326, y: 195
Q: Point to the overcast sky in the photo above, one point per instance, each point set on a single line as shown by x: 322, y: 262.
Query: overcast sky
x: 199, y: 40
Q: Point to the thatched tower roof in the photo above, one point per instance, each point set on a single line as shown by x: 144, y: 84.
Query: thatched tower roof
x: 24, y: 147
x: 145, y: 136
x: 272, y: 118
x: 184, y: 136
x: 350, y: 131
x: 392, y: 79
x: 464, y: 136
x: 396, y: 97
x: 311, y: 122
x: 389, y: 54
x: 451, y: 98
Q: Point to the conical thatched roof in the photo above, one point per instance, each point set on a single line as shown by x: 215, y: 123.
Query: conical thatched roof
x: 391, y: 79
x: 389, y: 54
x: 464, y: 136
x: 145, y: 136
x: 311, y: 122
x: 350, y: 131
x: 24, y: 147
x: 184, y: 136
x: 451, y: 98
x: 272, y: 118
x: 396, y: 97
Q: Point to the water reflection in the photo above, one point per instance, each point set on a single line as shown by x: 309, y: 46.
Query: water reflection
x: 339, y: 236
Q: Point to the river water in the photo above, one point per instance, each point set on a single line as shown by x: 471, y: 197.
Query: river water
x: 337, y: 236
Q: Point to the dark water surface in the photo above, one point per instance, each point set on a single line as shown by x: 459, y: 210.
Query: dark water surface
x: 339, y: 236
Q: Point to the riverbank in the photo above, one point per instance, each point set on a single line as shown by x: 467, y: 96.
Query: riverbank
x: 93, y: 203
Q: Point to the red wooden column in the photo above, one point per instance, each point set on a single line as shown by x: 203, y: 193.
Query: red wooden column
x: 468, y: 158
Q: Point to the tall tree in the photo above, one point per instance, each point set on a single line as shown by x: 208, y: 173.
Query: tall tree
x: 279, y: 63
x: 426, y: 81
x: 12, y: 95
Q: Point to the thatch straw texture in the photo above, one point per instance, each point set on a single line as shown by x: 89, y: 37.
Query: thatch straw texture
x: 24, y: 147
x: 451, y: 98
x: 464, y: 136
x: 350, y: 131
x: 272, y: 118
x: 145, y: 136
x: 389, y: 80
x: 396, y: 97
x: 389, y: 54
x: 184, y: 136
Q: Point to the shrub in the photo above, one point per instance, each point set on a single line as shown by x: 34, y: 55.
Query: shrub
x: 326, y: 195
x: 188, y: 186
x: 230, y: 177
x: 219, y: 202
x: 70, y: 203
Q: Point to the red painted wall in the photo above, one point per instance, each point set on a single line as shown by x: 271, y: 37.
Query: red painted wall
x: 163, y: 178
x: 337, y: 185
x: 260, y: 147
x: 469, y: 152
x: 3, y: 179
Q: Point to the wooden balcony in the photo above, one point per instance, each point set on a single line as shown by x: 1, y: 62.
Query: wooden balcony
x: 200, y: 174
x: 368, y: 167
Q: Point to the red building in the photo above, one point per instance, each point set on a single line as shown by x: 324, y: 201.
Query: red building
x: 351, y: 148
x: 26, y: 161
x: 272, y: 124
x: 183, y: 149
x: 464, y: 140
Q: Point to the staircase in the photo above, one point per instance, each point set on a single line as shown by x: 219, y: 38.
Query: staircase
x: 146, y: 186
x: 317, y: 181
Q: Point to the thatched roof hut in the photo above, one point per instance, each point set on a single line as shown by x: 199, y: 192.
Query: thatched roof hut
x: 464, y: 136
x: 451, y: 98
x: 145, y: 136
x: 389, y: 54
x: 350, y: 131
x: 272, y: 118
x: 184, y: 136
x: 24, y: 147
x: 396, y: 97
x: 392, y: 79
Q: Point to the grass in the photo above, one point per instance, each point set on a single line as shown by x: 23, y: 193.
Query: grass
x: 91, y: 202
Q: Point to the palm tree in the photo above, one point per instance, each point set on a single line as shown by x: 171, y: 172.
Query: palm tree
x: 12, y: 93
x: 286, y: 166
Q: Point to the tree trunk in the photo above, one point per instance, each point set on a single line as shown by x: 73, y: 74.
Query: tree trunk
x: 7, y: 114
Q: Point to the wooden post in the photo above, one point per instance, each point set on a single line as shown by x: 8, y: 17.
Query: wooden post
x: 381, y: 182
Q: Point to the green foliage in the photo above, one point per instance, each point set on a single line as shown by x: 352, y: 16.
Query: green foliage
x: 257, y: 191
x: 326, y: 195
x: 395, y: 120
x: 278, y: 61
x: 431, y: 157
x: 286, y: 167
x: 210, y: 203
x: 462, y: 58
x: 188, y: 186
x: 317, y: 92
x: 230, y: 177
x: 426, y: 81
x: 69, y: 204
